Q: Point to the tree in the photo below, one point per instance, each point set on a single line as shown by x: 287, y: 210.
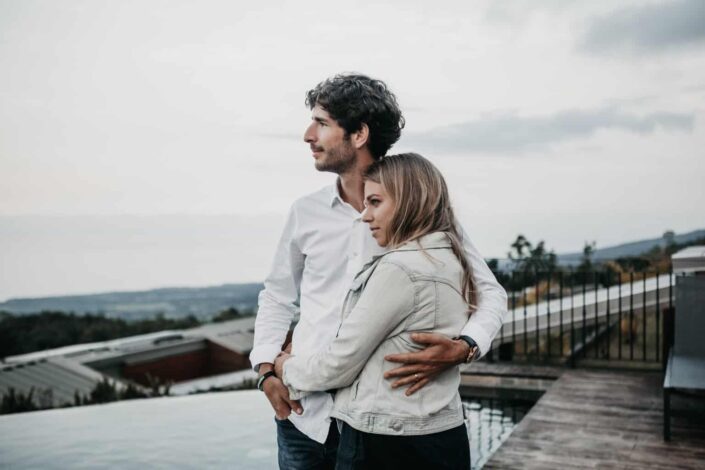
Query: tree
x: 586, y: 261
x: 519, y: 245
x: 526, y: 257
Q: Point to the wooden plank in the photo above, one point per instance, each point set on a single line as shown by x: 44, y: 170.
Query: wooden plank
x: 602, y: 419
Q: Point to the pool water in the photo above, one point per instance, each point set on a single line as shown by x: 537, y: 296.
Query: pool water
x: 210, y: 430
x: 490, y: 422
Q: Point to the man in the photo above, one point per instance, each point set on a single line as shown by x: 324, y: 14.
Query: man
x: 355, y: 121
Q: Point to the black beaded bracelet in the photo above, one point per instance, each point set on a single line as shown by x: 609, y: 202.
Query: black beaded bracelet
x: 263, y: 377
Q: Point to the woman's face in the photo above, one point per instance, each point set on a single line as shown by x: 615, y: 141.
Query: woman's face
x: 379, y: 209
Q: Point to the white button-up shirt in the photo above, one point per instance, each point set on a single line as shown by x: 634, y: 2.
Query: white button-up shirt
x: 323, y: 246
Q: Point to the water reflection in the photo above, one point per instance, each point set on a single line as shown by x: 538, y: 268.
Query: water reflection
x: 211, y: 430
x: 491, y: 421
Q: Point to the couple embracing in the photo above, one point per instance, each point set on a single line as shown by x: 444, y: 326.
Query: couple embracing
x: 392, y: 297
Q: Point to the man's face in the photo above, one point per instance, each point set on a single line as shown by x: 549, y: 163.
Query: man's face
x: 331, y: 149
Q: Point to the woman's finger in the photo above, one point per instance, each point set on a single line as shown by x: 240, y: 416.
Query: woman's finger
x: 417, y: 386
x: 410, y: 379
x: 403, y: 371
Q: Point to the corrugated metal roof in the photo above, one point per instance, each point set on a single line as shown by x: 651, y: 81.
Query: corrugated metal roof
x: 234, y: 334
x: 55, y: 380
x: 130, y: 343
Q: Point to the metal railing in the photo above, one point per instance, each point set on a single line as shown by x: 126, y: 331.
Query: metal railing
x: 571, y: 317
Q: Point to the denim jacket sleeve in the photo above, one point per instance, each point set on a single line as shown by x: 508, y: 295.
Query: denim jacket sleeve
x: 387, y: 299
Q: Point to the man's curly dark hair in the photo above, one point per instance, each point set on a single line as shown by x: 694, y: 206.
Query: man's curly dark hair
x: 355, y: 99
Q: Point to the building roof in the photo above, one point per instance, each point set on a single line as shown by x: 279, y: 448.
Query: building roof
x: 689, y: 260
x: 237, y: 335
x: 56, y: 374
x: 54, y: 380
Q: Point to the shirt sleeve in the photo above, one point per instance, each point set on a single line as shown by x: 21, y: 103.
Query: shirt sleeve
x: 490, y: 299
x: 279, y: 301
x: 387, y: 299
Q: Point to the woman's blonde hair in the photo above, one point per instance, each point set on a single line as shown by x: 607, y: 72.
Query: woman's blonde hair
x: 422, y: 206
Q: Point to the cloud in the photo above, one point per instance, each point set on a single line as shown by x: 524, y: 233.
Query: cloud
x: 515, y: 134
x: 648, y: 28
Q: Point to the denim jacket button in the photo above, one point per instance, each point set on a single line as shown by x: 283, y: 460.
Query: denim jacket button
x: 396, y: 425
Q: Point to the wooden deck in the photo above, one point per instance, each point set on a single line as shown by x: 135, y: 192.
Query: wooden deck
x: 604, y: 419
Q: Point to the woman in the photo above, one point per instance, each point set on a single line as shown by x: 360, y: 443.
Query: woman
x: 421, y: 283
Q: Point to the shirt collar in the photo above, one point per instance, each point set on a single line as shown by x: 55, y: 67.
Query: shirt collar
x: 334, y: 193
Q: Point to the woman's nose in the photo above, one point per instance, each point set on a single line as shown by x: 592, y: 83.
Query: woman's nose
x: 366, y: 216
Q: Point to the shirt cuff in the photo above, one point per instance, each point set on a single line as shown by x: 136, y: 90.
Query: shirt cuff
x: 294, y: 394
x: 264, y: 353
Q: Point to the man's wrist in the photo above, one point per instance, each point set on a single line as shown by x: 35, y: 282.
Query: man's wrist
x: 263, y: 378
x: 472, y: 350
x: 265, y: 367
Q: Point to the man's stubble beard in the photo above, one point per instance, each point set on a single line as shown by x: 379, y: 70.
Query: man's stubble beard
x: 339, y: 159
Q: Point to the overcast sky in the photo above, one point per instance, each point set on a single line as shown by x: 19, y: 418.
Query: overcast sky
x: 564, y: 121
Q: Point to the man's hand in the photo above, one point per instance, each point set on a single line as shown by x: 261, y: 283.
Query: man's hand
x: 278, y: 395
x: 420, y: 367
x: 279, y: 363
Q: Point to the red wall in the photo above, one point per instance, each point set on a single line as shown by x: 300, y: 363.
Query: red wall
x: 211, y: 360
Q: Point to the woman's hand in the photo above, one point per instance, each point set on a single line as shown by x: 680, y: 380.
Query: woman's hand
x: 279, y: 363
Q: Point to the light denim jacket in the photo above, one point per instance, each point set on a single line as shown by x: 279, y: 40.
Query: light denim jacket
x: 405, y: 290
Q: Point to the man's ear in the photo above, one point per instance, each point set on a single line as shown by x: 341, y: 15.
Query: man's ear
x: 359, y: 138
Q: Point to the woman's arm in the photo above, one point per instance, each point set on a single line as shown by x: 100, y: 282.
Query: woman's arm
x: 387, y: 299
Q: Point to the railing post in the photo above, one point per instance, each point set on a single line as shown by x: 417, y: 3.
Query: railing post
x: 560, y: 306
x: 514, y: 317
x: 643, y: 312
x: 668, y: 320
x: 536, y: 315
x: 658, y: 317
x: 572, y: 319
x: 608, y: 280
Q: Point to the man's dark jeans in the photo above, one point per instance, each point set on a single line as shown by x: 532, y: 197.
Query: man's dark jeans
x: 297, y: 451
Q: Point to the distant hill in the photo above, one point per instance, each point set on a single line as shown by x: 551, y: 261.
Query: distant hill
x: 630, y: 249
x: 201, y: 302
x: 205, y: 302
x: 612, y: 252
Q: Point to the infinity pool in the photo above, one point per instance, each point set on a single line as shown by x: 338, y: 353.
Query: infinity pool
x: 212, y: 430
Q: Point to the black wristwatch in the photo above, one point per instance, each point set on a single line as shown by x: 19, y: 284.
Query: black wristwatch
x: 263, y: 377
x: 474, y: 348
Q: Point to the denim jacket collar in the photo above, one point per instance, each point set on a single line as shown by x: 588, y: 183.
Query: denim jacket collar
x: 431, y: 241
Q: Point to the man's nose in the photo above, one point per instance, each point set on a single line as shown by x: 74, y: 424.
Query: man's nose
x: 309, y: 135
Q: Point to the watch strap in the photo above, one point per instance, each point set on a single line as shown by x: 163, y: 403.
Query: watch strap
x: 474, y: 349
